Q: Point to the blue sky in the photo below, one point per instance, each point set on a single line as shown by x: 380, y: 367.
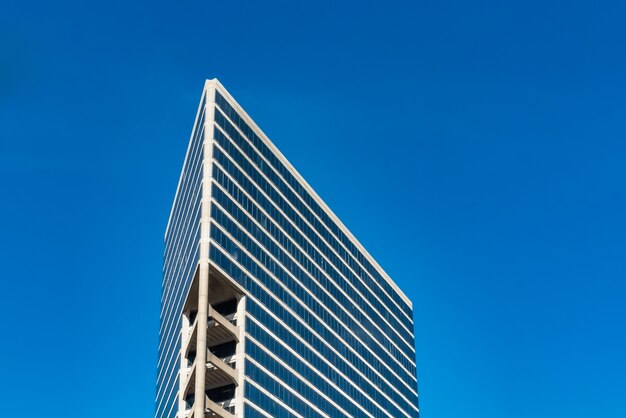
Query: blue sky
x: 477, y: 149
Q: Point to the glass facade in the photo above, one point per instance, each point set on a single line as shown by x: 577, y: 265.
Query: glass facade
x: 180, y: 262
x: 326, y: 334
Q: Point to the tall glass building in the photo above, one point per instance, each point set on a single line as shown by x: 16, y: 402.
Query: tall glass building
x: 270, y: 306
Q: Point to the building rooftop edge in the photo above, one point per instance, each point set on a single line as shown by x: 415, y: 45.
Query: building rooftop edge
x: 215, y: 82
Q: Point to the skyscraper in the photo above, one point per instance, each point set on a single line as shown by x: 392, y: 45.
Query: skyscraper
x: 270, y: 306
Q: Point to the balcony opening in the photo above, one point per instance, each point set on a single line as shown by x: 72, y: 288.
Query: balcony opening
x: 224, y: 350
x: 221, y: 394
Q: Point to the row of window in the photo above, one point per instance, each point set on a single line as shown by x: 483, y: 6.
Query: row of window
x: 348, y: 282
x: 193, y: 167
x: 186, y: 258
x: 169, y: 361
x: 181, y: 236
x: 346, y: 361
x: 329, y: 363
x: 267, y: 404
x: 347, y: 391
x: 387, y: 309
x: 167, y: 378
x: 310, y: 201
x: 250, y: 412
x: 395, y: 354
x: 181, y: 257
x: 315, y: 314
x: 296, y: 288
x: 306, y: 261
x: 261, y: 356
x: 281, y: 391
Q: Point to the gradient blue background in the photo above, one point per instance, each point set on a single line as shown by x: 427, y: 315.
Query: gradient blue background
x: 477, y: 149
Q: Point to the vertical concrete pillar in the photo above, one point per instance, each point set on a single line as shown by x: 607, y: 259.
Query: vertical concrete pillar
x: 203, y: 290
x: 182, y: 377
x: 241, y: 355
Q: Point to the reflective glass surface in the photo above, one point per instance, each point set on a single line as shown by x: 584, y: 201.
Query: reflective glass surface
x: 180, y: 260
x: 327, y: 335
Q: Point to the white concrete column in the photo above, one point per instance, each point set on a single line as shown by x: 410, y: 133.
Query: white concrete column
x: 182, y: 376
x: 203, y: 289
x: 241, y: 355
